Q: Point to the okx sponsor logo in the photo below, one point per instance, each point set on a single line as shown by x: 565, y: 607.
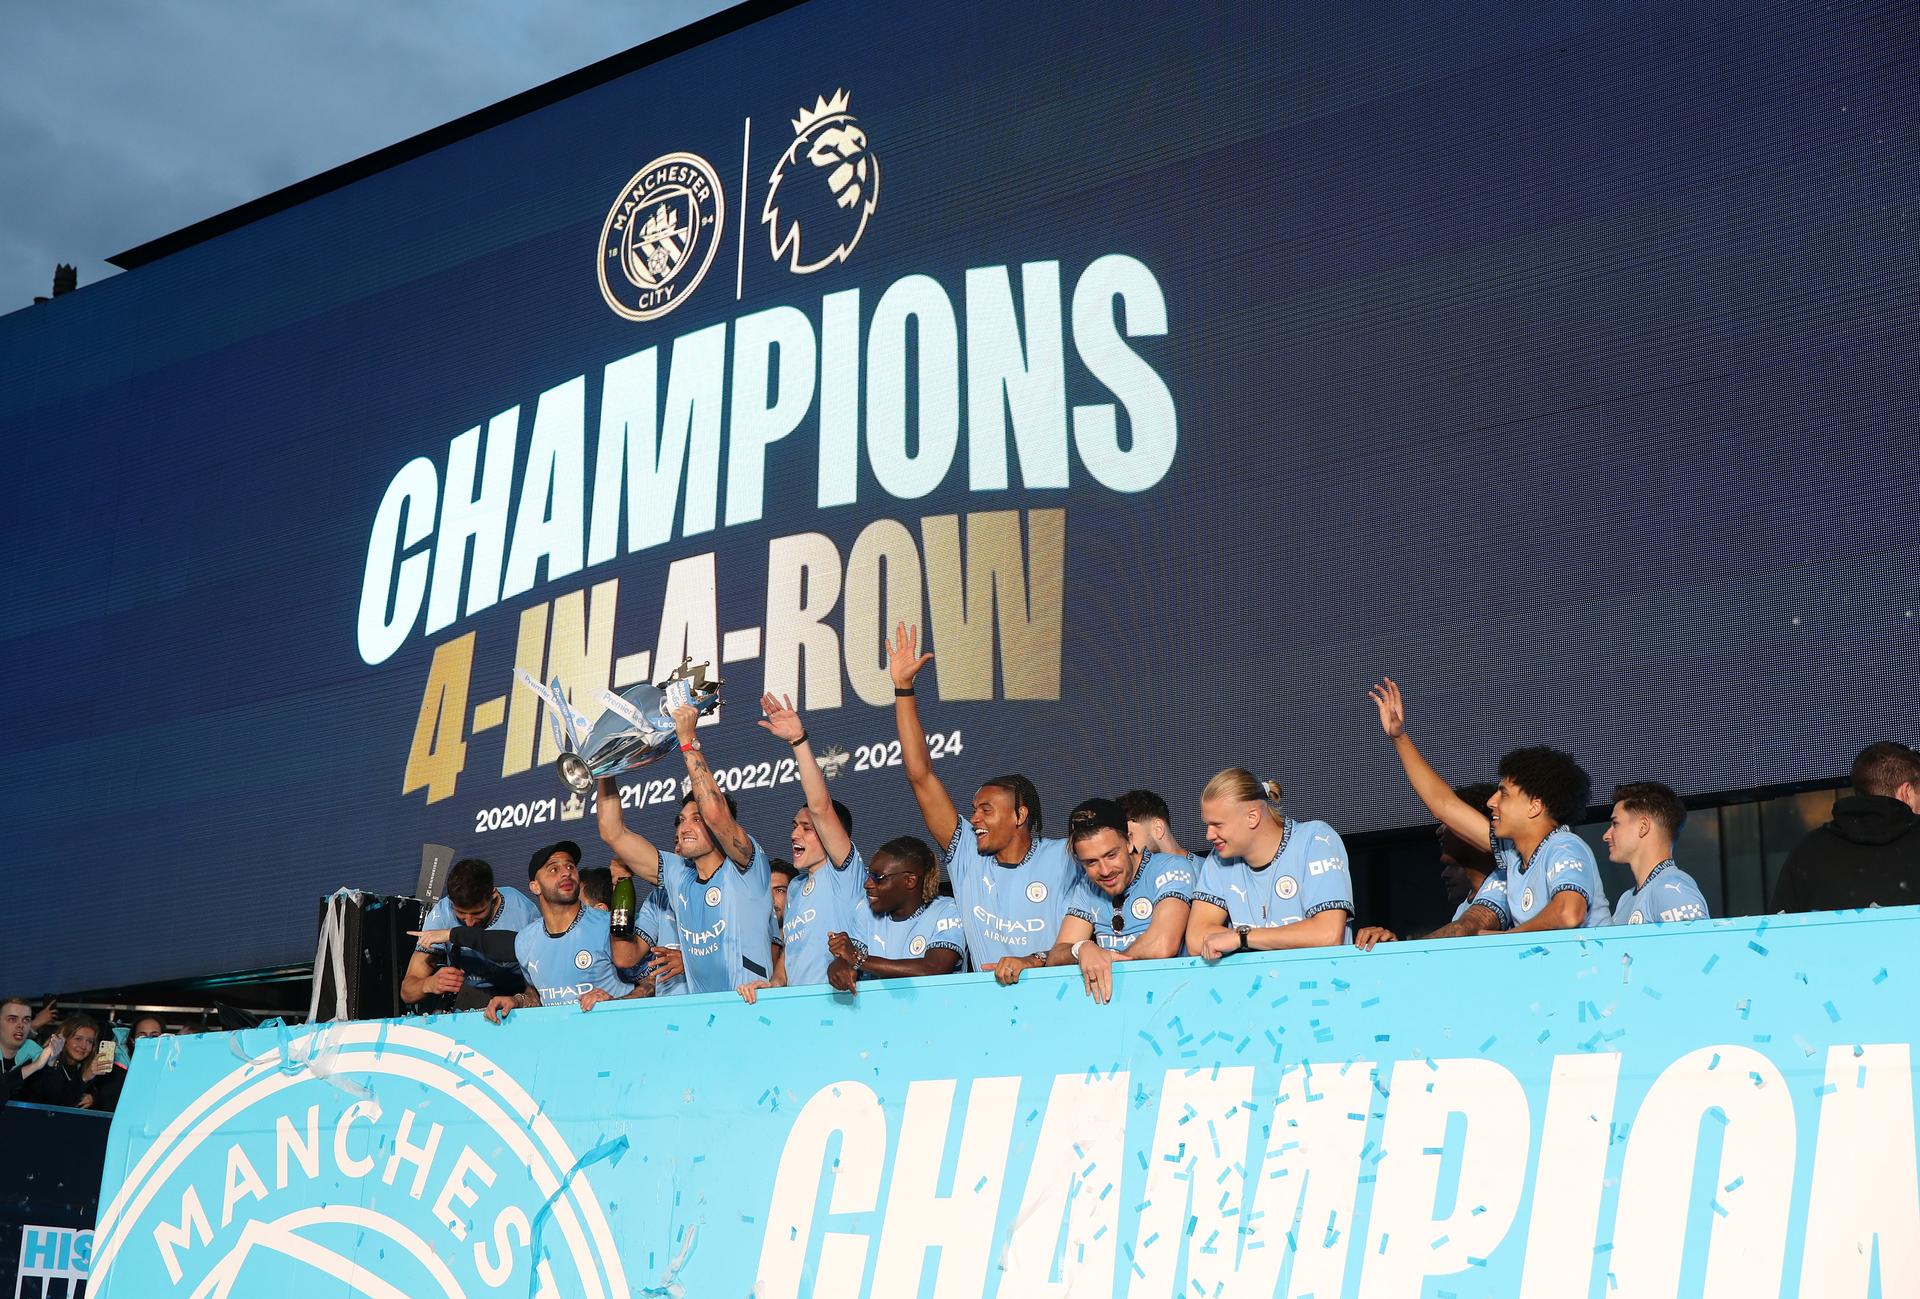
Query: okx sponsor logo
x: 390, y: 1161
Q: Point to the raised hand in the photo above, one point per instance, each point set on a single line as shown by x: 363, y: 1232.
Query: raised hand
x: 685, y: 718
x: 781, y: 719
x: 904, y: 659
x: 1393, y: 713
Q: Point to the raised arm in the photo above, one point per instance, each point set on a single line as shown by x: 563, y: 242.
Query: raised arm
x: 734, y: 841
x: 904, y: 662
x: 784, y: 722
x: 629, y: 846
x: 1448, y: 808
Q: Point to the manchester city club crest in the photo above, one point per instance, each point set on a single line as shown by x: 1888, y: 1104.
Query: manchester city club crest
x: 660, y: 236
x: 824, y: 188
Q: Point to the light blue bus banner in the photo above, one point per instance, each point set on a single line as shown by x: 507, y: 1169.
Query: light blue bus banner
x: 1721, y: 1109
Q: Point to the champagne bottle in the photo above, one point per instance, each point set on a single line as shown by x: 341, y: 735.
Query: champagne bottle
x: 621, y: 919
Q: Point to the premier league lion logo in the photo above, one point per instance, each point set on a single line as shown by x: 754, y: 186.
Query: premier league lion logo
x: 823, y: 190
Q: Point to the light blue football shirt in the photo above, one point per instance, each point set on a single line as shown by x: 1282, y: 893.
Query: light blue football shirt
x: 656, y: 924
x: 516, y: 913
x: 935, y: 925
x: 1669, y: 894
x: 562, y: 968
x: 1307, y: 876
x: 725, y: 924
x: 1517, y: 893
x: 822, y: 902
x: 1162, y: 876
x: 1009, y: 910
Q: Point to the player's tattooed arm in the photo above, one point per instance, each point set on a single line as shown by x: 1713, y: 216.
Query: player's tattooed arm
x: 1479, y: 919
x: 733, y: 839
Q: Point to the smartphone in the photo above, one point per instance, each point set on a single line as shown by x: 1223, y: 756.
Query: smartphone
x: 105, y: 1054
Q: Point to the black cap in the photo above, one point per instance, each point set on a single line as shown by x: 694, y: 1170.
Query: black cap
x: 567, y: 846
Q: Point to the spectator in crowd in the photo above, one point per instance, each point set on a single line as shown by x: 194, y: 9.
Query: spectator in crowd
x: 17, y: 1062
x: 1868, y: 855
x: 471, y: 902
x: 1149, y: 825
x: 829, y: 870
x: 1271, y: 882
x: 1010, y: 884
x: 1646, y: 820
x: 906, y: 928
x: 1127, y: 905
x: 73, y: 1066
x: 719, y: 882
x: 596, y: 887
x: 1544, y: 874
x: 1464, y: 867
x: 567, y: 954
x: 107, y: 1090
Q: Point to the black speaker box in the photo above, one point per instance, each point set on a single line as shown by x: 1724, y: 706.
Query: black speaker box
x: 378, y: 947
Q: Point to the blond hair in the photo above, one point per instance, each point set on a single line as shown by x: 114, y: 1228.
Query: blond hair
x: 1242, y: 786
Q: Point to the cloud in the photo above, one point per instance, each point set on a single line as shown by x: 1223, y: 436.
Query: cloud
x: 125, y: 119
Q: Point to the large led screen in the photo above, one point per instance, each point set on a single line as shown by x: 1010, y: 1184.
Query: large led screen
x: 1180, y: 368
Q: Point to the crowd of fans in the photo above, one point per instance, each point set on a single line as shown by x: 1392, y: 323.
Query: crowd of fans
x: 72, y: 1060
x: 711, y: 911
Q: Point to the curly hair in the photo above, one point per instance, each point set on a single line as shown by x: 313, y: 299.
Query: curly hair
x: 1552, y: 776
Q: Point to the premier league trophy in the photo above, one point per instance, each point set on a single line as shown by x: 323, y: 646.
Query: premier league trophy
x: 636, y: 728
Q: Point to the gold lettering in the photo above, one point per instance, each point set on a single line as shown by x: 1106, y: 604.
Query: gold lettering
x: 997, y: 589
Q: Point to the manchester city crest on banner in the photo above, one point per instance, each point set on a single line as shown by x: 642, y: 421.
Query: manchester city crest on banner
x: 297, y: 1170
x: 660, y: 236
x: 824, y: 188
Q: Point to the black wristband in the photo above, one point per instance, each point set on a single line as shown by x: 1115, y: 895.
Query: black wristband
x: 900, y: 693
x: 797, y: 743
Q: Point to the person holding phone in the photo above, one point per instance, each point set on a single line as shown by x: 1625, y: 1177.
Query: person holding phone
x: 76, y: 1062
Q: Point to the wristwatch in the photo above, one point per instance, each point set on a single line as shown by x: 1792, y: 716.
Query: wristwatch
x: 1243, y: 931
